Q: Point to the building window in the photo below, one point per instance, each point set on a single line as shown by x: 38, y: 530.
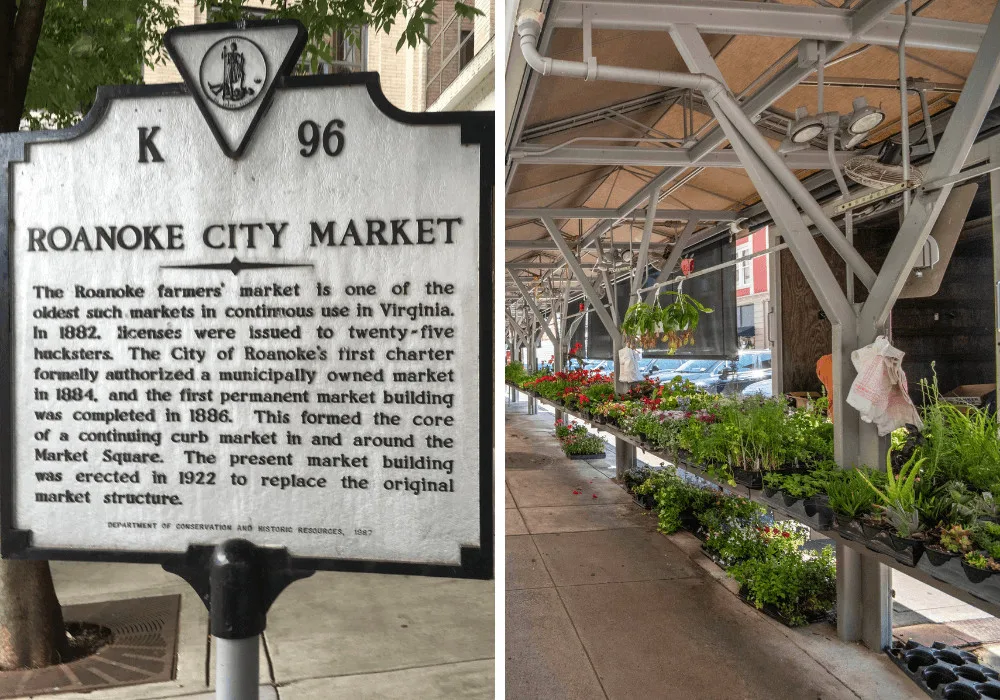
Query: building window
x: 744, y: 269
x: 451, y: 48
x: 466, y: 49
x: 348, y: 48
x: 744, y: 316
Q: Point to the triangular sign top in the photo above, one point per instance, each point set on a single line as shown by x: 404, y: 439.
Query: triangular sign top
x: 231, y: 69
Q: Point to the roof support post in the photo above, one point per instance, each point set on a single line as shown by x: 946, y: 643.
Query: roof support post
x: 534, y: 307
x: 639, y: 275
x: 980, y: 88
x: 581, y: 277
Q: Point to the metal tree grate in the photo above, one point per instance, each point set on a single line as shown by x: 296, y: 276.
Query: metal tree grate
x: 143, y: 649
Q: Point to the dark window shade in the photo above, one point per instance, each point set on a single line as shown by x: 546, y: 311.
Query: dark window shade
x: 716, y: 334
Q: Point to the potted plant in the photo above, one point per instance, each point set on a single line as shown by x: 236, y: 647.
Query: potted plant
x: 977, y: 567
x: 899, y: 504
x: 644, y: 325
x: 850, y: 497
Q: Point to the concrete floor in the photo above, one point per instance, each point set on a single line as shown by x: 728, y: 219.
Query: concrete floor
x: 331, y: 636
x: 600, y: 605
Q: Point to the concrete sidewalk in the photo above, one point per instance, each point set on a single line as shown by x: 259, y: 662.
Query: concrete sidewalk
x: 331, y: 636
x: 600, y: 605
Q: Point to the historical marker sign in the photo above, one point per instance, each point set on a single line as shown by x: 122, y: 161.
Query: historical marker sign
x: 258, y: 306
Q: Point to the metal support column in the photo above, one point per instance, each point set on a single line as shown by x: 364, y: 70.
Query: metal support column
x: 995, y: 202
x: 862, y: 605
x: 625, y: 452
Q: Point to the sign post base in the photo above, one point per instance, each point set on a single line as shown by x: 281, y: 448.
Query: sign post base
x: 238, y: 581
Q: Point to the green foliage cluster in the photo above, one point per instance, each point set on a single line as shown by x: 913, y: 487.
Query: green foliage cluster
x: 758, y: 434
x: 898, y: 498
x: 804, y: 485
x: 514, y: 373
x: 766, y: 559
x: 674, y: 498
x: 799, y: 587
x: 83, y: 45
x: 960, y: 444
x: 850, y: 492
x: 586, y: 445
x: 644, y: 324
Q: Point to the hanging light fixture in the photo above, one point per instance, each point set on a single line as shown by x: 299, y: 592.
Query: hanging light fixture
x: 864, y: 118
x: 849, y: 140
x: 806, y: 126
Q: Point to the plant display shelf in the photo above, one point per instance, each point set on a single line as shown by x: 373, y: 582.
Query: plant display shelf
x: 916, y: 572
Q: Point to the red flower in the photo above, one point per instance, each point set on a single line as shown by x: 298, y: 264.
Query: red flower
x: 786, y: 534
x: 576, y: 493
x: 595, y: 495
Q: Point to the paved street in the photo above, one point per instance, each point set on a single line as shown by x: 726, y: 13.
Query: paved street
x: 335, y: 635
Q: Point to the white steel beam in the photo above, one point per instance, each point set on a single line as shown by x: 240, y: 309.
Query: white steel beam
x: 581, y: 277
x: 770, y: 19
x: 526, y: 295
x: 773, y: 90
x: 593, y: 213
x: 547, y: 244
x: 813, y: 159
x: 951, y: 153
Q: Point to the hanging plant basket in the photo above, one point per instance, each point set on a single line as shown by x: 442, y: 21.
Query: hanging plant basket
x: 646, y: 325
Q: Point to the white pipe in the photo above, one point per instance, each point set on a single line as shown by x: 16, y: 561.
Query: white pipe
x: 529, y: 27
x: 904, y: 109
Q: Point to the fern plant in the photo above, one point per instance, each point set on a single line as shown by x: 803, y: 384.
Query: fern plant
x: 899, y: 497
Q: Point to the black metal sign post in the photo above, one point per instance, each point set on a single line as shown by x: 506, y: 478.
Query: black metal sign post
x: 247, y: 354
x: 238, y: 581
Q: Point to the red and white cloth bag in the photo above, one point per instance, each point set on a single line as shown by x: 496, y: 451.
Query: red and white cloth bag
x: 879, y: 391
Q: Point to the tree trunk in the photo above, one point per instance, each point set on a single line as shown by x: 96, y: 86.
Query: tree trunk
x: 32, y: 632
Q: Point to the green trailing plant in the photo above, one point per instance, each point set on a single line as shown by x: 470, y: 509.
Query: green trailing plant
x: 899, y: 497
x: 644, y: 325
x: 514, y: 373
x: 851, y: 493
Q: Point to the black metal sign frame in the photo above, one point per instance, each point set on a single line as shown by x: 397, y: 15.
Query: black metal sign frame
x: 476, y: 128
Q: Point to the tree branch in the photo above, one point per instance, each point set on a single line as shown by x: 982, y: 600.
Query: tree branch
x: 27, y: 28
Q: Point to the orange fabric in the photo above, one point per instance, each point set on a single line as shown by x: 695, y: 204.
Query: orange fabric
x: 824, y: 370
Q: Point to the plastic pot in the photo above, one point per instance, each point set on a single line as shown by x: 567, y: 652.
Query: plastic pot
x: 907, y: 549
x: 975, y: 575
x: 750, y: 479
x: 849, y: 528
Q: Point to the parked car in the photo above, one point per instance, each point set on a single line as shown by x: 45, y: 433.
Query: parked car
x: 602, y: 365
x: 724, y: 376
x: 649, y: 366
x: 761, y: 388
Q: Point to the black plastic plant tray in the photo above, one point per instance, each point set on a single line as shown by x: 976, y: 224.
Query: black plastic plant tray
x: 772, y: 612
x: 944, y: 672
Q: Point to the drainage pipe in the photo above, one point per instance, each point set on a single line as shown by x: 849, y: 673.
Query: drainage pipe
x: 529, y: 26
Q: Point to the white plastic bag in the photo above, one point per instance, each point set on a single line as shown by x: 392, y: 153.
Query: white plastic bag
x: 879, y: 391
x: 628, y: 361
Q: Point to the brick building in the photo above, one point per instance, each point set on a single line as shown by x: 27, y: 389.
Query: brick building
x: 453, y: 72
x: 752, y: 291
